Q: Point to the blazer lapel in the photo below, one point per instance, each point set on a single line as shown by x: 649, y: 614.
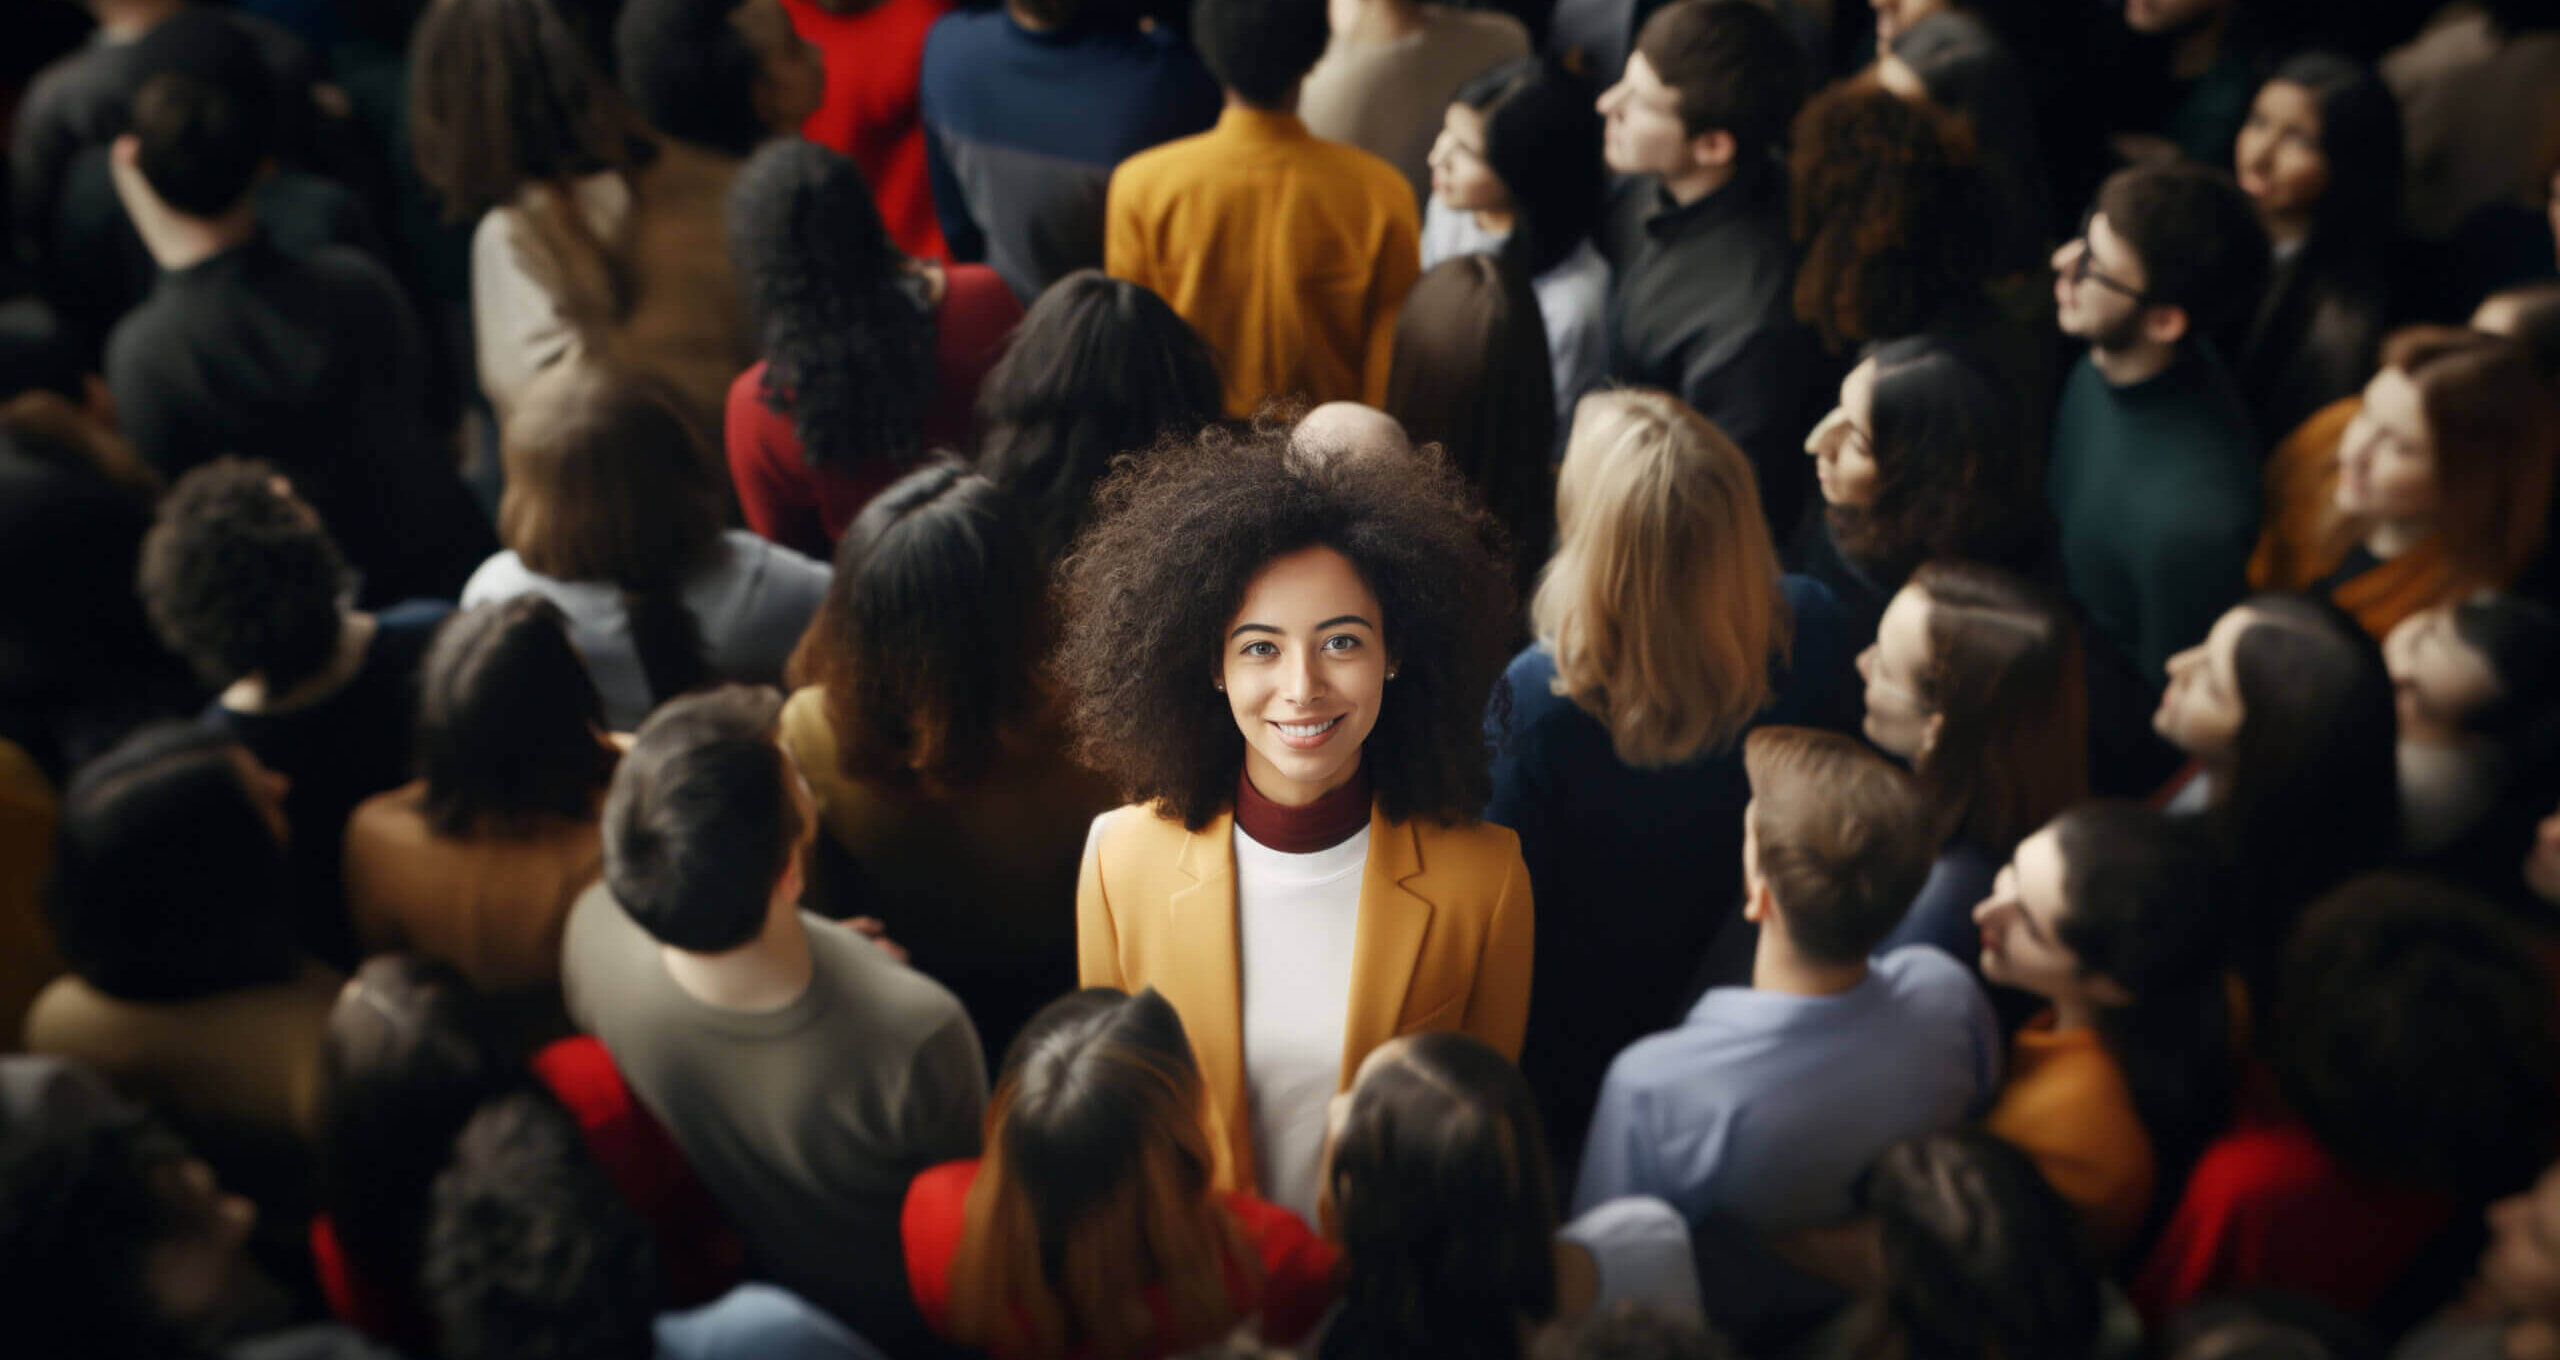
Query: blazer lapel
x: 1387, y: 943
x: 1205, y: 985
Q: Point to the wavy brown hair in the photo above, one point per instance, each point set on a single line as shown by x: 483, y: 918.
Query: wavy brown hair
x: 2007, y: 678
x: 1888, y: 199
x: 1175, y: 540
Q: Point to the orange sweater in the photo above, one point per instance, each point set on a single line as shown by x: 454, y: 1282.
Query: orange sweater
x: 1288, y: 254
x: 2294, y: 548
x: 2067, y: 1106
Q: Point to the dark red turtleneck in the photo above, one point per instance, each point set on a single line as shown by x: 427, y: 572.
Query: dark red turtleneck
x: 1320, y: 825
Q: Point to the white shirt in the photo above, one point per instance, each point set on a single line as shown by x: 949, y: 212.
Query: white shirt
x: 1641, y: 1246
x: 516, y: 324
x: 1297, y: 925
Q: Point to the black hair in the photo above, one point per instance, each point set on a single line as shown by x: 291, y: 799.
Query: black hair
x: 201, y: 144
x: 1099, y: 367
x: 1442, y: 1193
x: 847, y: 344
x: 509, y: 722
x: 2265, y: 1325
x: 1977, y: 1253
x: 240, y: 577
x: 2202, y: 247
x: 82, y: 1205
x: 1260, y: 49
x: 412, y: 1049
x: 2520, y: 639
x: 1734, y: 66
x: 167, y: 882
x: 700, y: 825
x: 1633, y: 1329
x: 1956, y: 467
x: 1542, y: 139
x: 2418, y: 1037
x: 2139, y: 909
x: 530, y: 1249
x: 2361, y: 141
x: 505, y: 93
x: 691, y: 72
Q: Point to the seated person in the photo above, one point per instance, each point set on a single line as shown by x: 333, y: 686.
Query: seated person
x: 1758, y: 1114
x: 242, y: 578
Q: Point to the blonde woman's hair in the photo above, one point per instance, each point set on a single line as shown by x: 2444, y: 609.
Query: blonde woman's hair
x: 1662, y: 603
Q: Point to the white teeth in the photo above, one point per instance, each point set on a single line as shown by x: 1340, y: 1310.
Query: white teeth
x: 1306, y: 729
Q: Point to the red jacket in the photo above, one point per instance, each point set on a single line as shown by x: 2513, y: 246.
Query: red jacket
x: 875, y: 69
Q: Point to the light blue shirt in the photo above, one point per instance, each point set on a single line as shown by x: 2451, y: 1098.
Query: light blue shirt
x: 758, y: 1322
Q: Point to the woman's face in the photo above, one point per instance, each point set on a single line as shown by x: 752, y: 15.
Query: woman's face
x: 2278, y: 157
x: 2436, y: 677
x: 1898, y: 719
x: 793, y: 81
x: 2201, y: 711
x: 2021, y: 938
x: 1305, y: 668
x: 2520, y: 1270
x: 1844, y: 445
x: 2387, y: 461
x: 1460, y: 176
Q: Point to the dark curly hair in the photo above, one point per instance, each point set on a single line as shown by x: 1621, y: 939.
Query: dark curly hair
x: 690, y: 70
x: 848, y: 349
x: 88, y: 1199
x: 240, y: 578
x: 1888, y: 201
x: 1955, y: 464
x: 1260, y: 49
x: 1176, y: 539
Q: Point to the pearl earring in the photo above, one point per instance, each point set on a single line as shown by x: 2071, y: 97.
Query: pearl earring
x: 1391, y: 675
x: 1218, y: 685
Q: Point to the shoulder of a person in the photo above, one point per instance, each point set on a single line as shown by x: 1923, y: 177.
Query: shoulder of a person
x: 1136, y: 831
x: 1628, y: 1218
x: 1478, y: 845
x: 1488, y: 27
x: 502, y: 576
x: 1814, y: 603
x: 1928, y: 978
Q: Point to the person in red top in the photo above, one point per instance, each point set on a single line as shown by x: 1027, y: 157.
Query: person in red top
x: 872, y: 357
x: 874, y: 55
x: 1094, y: 1194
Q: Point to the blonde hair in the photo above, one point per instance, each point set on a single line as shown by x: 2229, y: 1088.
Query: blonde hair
x: 1662, y: 604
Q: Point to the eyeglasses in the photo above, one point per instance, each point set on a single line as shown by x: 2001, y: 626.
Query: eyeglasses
x: 2084, y: 268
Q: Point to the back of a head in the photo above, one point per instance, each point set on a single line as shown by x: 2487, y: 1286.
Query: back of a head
x: 202, y: 141
x: 2314, y: 791
x: 1956, y: 466
x: 502, y: 93
x: 2493, y: 426
x: 926, y: 641
x: 1260, y: 49
x: 167, y: 881
x: 1471, y: 374
x: 531, y: 1251
x: 2519, y: 639
x: 1976, y: 1247
x: 2528, y: 314
x: 1632, y: 1330
x: 691, y: 72
x: 1097, y: 368
x: 240, y: 578
x: 2418, y: 1036
x: 1887, y: 201
x: 1843, y: 838
x: 1734, y: 67
x: 83, y: 1213
x: 1443, y: 1204
x: 701, y: 824
x: 2006, y: 676
x: 509, y: 722
x: 1542, y: 139
x: 2265, y: 1326
x: 1662, y: 603
x: 2202, y: 247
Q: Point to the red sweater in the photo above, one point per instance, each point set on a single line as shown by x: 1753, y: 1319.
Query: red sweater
x: 806, y: 508
x: 875, y: 67
x: 1297, y: 1266
x: 699, y: 1253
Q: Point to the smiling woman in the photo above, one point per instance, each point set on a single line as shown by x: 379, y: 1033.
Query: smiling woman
x: 1283, y: 663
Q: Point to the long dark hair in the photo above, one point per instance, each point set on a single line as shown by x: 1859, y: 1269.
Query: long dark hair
x: 509, y: 722
x: 503, y: 94
x: 2360, y: 138
x: 1542, y: 140
x: 1444, y: 1207
x: 2139, y: 907
x: 848, y: 346
x: 2007, y: 676
x: 1099, y: 367
x: 1976, y: 1255
x: 926, y: 643
x: 1955, y: 463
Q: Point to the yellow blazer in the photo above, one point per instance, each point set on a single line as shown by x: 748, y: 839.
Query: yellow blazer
x: 1443, y: 942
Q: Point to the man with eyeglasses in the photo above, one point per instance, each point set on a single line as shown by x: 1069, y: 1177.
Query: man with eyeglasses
x: 2154, y: 473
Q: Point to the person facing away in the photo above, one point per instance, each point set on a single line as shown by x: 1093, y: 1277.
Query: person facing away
x: 1289, y: 255
x: 1697, y: 230
x: 1758, y: 1113
x: 2154, y: 467
x: 1391, y: 66
x: 807, y: 1075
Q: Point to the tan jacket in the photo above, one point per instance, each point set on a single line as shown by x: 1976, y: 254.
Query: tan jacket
x: 1443, y: 943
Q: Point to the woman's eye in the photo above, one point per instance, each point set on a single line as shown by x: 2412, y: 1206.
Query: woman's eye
x: 1260, y: 649
x: 1341, y: 642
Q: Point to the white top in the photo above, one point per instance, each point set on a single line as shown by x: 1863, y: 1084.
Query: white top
x: 516, y: 327
x: 1573, y: 301
x: 1641, y: 1245
x: 1297, y: 924
x: 752, y: 602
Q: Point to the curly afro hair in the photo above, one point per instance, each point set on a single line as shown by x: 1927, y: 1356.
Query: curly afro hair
x: 240, y: 578
x: 1178, y: 536
x: 1886, y: 195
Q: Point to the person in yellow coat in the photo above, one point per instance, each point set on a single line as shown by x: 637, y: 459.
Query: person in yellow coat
x: 1283, y: 661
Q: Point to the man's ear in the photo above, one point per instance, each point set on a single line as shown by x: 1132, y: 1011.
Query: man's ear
x: 1758, y: 903
x: 2165, y: 323
x: 1713, y: 149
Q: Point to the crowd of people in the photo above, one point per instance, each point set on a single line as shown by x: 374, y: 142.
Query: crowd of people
x: 1364, y: 679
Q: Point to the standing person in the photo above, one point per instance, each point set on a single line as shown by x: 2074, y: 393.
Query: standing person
x: 1886, y: 194
x: 1697, y: 230
x: 872, y: 358
x: 1665, y: 632
x: 2154, y: 469
x: 1283, y: 661
x: 1290, y: 255
x: 871, y: 109
x: 1090, y: 1228
x: 1391, y: 66
x: 807, y: 1075
x: 722, y: 75
x: 1759, y: 1111
x: 1014, y: 184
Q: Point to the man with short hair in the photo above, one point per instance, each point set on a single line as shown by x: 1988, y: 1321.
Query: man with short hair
x: 1704, y: 305
x: 723, y: 75
x: 1290, y: 255
x: 2154, y: 468
x: 807, y: 1074
x: 1760, y: 1111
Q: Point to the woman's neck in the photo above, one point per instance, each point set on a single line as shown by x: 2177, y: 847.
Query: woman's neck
x: 1499, y: 221
x: 2073, y: 1012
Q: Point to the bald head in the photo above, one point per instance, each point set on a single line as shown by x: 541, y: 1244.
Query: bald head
x: 1349, y: 429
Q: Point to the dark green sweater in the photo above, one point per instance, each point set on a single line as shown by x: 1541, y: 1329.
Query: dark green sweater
x: 2155, y: 491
